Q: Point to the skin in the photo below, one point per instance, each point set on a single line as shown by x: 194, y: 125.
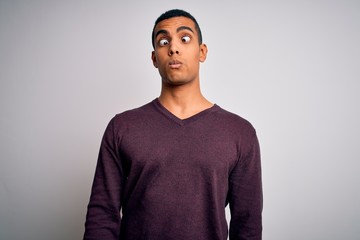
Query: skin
x: 177, y: 56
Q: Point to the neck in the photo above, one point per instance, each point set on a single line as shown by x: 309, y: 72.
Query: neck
x: 183, y: 101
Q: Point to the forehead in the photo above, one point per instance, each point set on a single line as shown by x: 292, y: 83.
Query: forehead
x: 172, y: 24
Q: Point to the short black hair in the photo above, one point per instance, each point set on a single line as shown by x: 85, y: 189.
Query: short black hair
x: 175, y: 13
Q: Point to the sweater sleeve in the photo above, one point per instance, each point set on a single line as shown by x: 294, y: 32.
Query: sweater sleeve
x: 245, y: 194
x: 103, y: 214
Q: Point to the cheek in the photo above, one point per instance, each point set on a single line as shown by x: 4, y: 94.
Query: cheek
x: 160, y: 59
x: 195, y: 53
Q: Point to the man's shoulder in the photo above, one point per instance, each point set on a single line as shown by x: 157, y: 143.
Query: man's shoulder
x: 135, y: 113
x: 232, y: 119
x: 131, y: 118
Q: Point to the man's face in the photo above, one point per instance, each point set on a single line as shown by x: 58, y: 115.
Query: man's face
x: 177, y: 52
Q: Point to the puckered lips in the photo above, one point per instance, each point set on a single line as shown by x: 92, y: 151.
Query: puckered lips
x: 175, y: 64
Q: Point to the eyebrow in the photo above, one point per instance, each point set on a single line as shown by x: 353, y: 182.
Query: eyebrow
x: 162, y: 31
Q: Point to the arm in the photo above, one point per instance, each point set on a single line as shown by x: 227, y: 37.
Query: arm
x: 103, y: 215
x: 245, y: 194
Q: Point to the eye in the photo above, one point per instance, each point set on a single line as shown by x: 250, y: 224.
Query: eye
x: 163, y: 42
x: 185, y: 39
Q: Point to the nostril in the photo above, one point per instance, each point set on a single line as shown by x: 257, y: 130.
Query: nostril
x: 171, y: 52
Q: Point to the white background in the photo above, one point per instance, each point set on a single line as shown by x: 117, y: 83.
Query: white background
x: 291, y: 68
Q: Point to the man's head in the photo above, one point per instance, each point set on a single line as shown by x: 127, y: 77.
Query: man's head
x: 176, y: 13
x: 178, y: 48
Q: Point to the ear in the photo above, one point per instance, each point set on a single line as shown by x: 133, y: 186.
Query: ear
x: 203, y: 52
x: 153, y: 58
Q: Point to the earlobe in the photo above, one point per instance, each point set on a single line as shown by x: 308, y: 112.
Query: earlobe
x: 153, y: 58
x: 203, y: 52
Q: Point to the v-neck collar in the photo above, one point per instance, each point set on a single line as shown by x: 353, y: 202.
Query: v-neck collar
x: 180, y: 121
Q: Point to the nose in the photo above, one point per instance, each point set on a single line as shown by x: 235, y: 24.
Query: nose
x: 173, y: 49
x: 171, y: 52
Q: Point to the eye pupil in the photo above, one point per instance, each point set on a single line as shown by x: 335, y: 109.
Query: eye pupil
x: 186, y: 39
x: 163, y: 42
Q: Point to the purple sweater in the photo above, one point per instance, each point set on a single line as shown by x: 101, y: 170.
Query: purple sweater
x: 172, y: 178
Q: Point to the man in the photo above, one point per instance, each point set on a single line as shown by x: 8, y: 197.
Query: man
x: 172, y: 165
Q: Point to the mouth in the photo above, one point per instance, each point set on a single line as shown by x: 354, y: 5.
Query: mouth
x: 175, y: 64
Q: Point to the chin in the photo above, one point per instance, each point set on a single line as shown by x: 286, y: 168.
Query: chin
x: 176, y: 82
